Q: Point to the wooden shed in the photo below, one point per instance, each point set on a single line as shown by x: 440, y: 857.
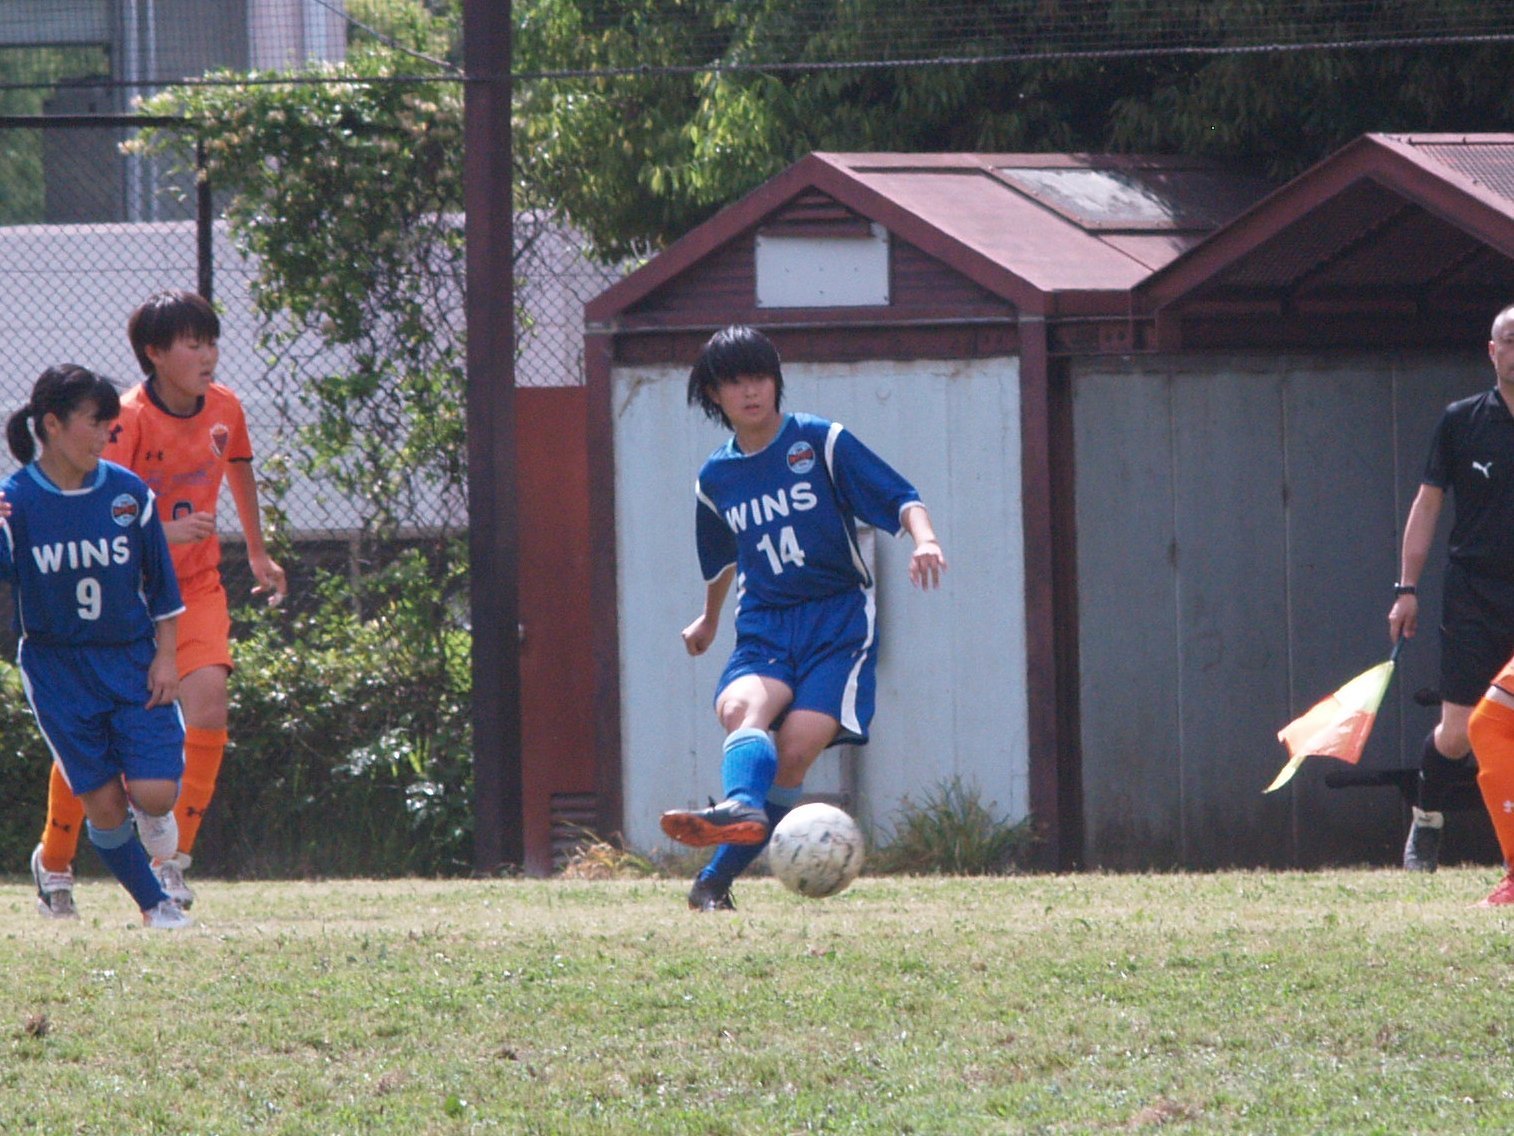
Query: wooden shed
x: 1241, y: 479
x: 926, y: 302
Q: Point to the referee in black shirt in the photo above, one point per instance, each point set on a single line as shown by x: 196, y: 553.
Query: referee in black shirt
x: 1472, y: 456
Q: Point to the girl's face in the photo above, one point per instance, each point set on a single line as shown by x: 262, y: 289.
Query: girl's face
x: 750, y: 402
x: 74, y: 444
x: 184, y: 370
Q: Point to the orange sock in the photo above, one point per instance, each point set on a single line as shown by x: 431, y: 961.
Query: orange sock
x: 1492, y: 733
x: 65, y: 821
x: 203, y: 750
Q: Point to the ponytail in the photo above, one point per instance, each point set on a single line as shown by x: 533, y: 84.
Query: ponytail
x: 59, y: 391
x: 19, y: 436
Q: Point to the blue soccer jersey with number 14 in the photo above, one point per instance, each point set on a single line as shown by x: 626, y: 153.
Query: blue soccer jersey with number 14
x: 786, y: 515
x: 89, y: 567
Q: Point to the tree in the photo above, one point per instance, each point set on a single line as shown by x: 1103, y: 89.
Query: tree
x: 642, y: 157
x: 345, y: 193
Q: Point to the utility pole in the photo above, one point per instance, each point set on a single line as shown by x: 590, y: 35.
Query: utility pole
x: 492, y: 499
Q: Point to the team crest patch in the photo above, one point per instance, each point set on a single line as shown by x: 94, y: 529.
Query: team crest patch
x: 125, y: 510
x: 220, y: 434
x: 801, y: 457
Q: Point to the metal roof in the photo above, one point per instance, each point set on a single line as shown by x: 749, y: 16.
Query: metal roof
x: 1028, y: 227
x: 1421, y: 222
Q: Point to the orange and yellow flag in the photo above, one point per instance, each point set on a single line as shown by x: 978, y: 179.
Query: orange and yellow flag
x: 1338, y: 726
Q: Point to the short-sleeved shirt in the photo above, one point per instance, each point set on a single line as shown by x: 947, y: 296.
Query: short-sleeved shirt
x: 1472, y: 455
x: 786, y: 515
x: 183, y: 458
x: 89, y: 567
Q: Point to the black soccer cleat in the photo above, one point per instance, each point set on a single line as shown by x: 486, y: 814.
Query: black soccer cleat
x: 729, y: 822
x: 1422, y: 849
x: 707, y: 895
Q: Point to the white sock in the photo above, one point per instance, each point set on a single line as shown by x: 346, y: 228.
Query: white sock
x: 159, y: 835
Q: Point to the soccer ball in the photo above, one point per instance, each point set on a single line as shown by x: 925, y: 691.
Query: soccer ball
x: 816, y: 850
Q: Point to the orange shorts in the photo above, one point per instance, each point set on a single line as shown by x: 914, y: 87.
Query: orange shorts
x: 204, y: 625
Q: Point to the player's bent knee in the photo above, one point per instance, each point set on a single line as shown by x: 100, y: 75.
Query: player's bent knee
x: 1491, y: 730
x: 155, y: 798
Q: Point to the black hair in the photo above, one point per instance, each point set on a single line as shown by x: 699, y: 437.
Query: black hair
x: 729, y: 353
x: 60, y: 390
x: 163, y: 317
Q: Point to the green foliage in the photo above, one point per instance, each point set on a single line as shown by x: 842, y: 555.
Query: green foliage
x: 350, y: 719
x: 351, y: 747
x: 641, y: 158
x: 348, y: 196
x: 24, y: 765
x: 951, y: 832
x: 21, y: 149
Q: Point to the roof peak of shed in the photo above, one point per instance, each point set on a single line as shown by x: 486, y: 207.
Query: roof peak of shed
x: 1416, y: 226
x: 1027, y: 228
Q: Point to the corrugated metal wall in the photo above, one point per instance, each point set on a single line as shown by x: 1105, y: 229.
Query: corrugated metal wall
x: 1238, y: 525
x: 951, y: 685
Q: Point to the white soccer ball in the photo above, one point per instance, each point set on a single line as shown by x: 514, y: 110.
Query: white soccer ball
x: 816, y: 850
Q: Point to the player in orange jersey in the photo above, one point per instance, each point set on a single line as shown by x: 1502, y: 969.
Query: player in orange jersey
x: 1492, y: 731
x: 181, y: 432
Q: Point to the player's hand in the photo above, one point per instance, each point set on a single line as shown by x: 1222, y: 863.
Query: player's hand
x: 698, y: 635
x: 1403, y: 618
x: 190, y: 528
x: 5, y: 507
x: 270, y: 579
x: 163, y: 681
x: 926, y: 565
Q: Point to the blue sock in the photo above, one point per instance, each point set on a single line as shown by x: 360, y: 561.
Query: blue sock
x: 730, y: 860
x: 127, y: 860
x: 749, y: 766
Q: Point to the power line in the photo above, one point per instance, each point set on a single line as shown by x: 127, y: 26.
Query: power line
x: 720, y: 67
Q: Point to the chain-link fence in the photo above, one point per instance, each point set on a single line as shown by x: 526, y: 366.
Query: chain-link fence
x: 108, y: 229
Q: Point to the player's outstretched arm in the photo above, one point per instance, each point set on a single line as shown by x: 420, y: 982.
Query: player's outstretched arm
x: 928, y: 561
x: 698, y: 635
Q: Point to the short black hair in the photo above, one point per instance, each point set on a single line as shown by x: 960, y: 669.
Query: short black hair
x: 734, y: 351
x: 164, y: 316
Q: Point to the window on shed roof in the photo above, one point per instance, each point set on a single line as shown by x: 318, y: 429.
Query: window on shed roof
x: 1139, y: 199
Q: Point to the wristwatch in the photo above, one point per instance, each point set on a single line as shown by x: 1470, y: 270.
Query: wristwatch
x: 1404, y: 590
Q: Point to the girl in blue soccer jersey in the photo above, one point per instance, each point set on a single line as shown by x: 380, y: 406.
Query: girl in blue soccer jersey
x: 96, y: 611
x: 777, y: 511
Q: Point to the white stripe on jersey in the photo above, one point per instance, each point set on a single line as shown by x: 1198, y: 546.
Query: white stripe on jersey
x: 31, y: 700
x: 849, y: 695
x: 704, y: 500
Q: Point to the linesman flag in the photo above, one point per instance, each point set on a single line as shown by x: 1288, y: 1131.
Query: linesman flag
x: 1338, y: 726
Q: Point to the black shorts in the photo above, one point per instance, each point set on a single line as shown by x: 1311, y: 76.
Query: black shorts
x: 1476, y: 633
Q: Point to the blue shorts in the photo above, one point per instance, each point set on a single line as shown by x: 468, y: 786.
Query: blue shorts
x: 825, y: 651
x: 90, y: 703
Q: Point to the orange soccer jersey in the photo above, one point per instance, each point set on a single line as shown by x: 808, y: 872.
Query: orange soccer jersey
x: 183, y: 459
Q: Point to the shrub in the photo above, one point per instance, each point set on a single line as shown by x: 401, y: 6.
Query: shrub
x: 351, y: 738
x: 24, y: 766
x: 952, y: 832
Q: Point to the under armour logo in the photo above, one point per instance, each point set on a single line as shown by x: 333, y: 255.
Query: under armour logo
x: 1508, y: 806
x: 1484, y: 468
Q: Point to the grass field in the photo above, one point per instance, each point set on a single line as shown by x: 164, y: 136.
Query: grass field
x: 1337, y: 1002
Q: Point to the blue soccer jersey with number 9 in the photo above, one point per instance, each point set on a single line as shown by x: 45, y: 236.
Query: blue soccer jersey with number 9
x: 89, y: 567
x: 786, y: 515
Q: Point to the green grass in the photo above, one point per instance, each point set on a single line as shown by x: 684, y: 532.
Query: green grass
x: 1338, y: 1002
